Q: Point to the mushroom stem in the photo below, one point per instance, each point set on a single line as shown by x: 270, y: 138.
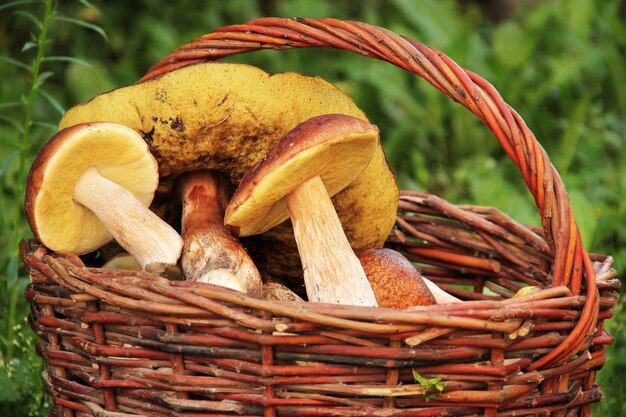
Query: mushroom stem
x: 332, y: 272
x: 440, y: 295
x: 151, y: 241
x: 211, y: 253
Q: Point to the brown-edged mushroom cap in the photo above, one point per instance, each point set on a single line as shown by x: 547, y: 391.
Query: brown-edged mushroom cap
x: 93, y: 182
x: 334, y: 147
x: 315, y: 160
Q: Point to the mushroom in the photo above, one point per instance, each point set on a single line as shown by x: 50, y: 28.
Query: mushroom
x: 273, y: 290
x: 125, y: 261
x: 313, y: 162
x: 211, y: 253
x: 225, y: 117
x: 94, y: 182
x: 396, y: 282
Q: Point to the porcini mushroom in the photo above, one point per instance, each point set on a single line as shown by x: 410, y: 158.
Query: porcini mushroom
x: 94, y: 182
x: 125, y: 261
x: 393, y: 276
x: 225, y: 117
x: 395, y: 281
x: 276, y: 291
x: 211, y: 253
x: 313, y: 162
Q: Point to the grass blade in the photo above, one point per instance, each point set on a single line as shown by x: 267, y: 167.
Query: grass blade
x: 6, y: 162
x: 10, y: 104
x: 53, y: 102
x: 16, y: 3
x: 42, y: 78
x: 86, y: 3
x: 68, y: 59
x: 29, y: 16
x: 47, y: 125
x: 14, y: 62
x: 11, y: 121
x: 84, y: 24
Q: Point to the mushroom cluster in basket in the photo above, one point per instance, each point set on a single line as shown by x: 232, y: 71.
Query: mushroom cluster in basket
x: 222, y: 152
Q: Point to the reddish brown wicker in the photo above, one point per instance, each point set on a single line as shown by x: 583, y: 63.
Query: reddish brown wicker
x: 120, y: 343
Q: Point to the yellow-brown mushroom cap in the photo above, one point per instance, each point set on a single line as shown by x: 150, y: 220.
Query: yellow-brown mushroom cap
x: 335, y: 147
x: 119, y: 154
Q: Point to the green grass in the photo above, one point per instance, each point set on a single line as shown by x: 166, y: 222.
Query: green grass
x: 561, y: 66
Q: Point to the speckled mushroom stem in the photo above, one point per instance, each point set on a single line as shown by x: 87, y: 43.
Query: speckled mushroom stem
x: 332, y: 272
x: 150, y: 240
x: 211, y: 253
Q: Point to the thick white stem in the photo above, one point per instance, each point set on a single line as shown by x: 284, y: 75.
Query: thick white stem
x: 440, y: 295
x: 332, y: 272
x: 151, y: 241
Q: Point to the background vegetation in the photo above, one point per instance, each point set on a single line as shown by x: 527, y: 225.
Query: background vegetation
x: 560, y: 64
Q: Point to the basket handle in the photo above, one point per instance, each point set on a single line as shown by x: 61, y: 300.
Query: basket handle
x: 571, y: 265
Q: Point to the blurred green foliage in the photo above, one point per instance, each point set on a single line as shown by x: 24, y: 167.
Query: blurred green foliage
x: 559, y: 64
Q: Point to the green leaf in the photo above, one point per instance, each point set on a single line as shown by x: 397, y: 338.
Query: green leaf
x: 10, y: 104
x: 14, y: 62
x: 54, y: 128
x: 86, y: 3
x: 84, y: 24
x: 11, y: 121
x: 29, y: 16
x: 16, y: 3
x: 6, y: 162
x: 28, y: 45
x: 68, y: 59
x: 418, y: 377
x: 53, y: 102
x: 9, y: 391
x: 42, y: 78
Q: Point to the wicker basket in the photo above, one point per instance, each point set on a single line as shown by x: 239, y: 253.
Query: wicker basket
x: 119, y: 343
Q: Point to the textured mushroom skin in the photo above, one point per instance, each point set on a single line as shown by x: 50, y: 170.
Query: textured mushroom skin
x: 225, y: 117
x: 395, y: 281
x: 273, y: 290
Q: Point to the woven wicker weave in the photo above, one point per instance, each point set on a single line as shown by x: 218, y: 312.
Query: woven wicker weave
x: 122, y: 343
